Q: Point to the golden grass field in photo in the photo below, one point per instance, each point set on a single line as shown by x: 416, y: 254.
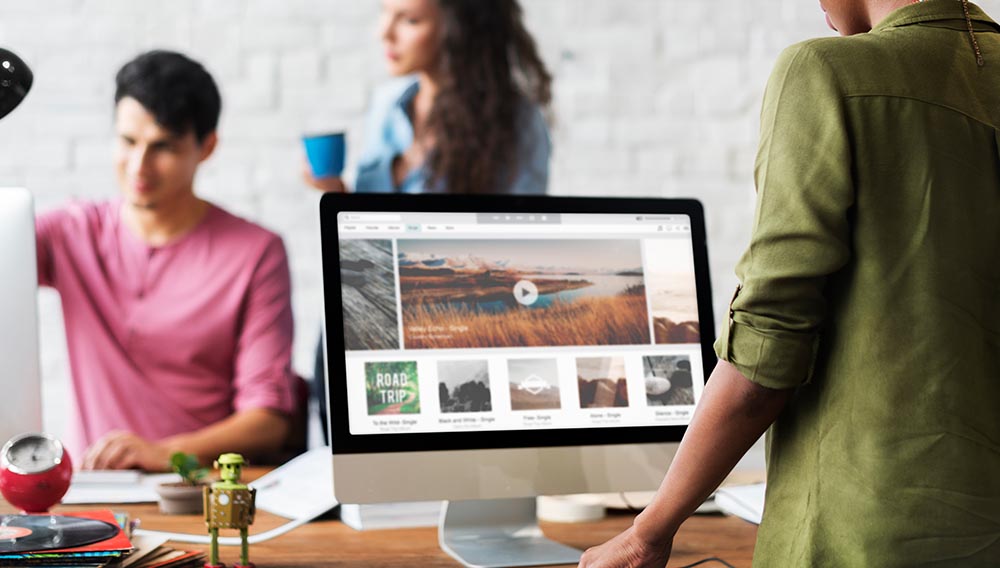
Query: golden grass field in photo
x: 618, y: 320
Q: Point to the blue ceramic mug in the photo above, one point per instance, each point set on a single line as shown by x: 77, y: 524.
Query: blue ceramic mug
x: 326, y: 154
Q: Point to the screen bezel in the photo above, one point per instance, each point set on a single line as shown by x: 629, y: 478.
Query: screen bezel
x: 342, y: 441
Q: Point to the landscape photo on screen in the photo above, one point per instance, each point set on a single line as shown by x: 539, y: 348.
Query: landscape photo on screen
x: 391, y: 387
x: 602, y: 382
x: 534, y: 384
x: 668, y: 380
x: 673, y: 297
x: 464, y: 386
x: 368, y: 286
x: 480, y: 293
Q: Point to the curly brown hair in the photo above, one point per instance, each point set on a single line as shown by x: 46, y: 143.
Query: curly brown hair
x: 489, y: 67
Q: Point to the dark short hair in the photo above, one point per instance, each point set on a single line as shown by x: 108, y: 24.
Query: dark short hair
x: 176, y: 90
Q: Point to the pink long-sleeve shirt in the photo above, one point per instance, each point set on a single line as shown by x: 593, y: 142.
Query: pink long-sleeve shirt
x: 165, y: 340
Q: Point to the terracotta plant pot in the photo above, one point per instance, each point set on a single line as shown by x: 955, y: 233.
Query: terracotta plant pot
x: 180, y: 498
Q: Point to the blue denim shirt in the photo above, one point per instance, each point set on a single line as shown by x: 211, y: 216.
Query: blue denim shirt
x: 389, y: 133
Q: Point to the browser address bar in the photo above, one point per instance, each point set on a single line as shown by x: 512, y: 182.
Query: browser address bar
x: 446, y: 228
x: 371, y: 217
x: 535, y: 229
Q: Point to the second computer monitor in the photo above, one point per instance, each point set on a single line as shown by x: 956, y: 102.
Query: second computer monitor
x: 20, y: 378
x: 496, y: 347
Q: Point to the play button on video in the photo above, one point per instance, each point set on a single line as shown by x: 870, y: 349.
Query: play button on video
x: 525, y: 292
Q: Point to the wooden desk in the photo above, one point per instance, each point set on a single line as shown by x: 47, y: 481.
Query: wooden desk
x: 329, y: 543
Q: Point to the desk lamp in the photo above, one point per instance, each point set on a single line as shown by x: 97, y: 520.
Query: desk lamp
x: 15, y: 81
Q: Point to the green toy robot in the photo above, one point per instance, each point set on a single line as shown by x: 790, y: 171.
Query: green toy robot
x: 229, y: 504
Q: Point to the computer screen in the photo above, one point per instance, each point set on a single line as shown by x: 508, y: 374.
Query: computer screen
x: 498, y: 347
x: 20, y: 378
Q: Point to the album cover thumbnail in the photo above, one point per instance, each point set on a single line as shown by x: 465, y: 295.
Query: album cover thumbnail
x: 464, y: 386
x: 602, y: 382
x: 668, y: 380
x: 392, y: 387
x: 534, y: 384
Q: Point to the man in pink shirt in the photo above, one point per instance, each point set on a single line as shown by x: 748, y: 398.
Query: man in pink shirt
x: 178, y: 314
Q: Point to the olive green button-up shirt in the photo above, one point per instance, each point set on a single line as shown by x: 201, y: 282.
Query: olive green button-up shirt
x: 872, y: 285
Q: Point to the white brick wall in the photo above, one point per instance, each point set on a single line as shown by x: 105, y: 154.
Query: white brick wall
x: 652, y: 97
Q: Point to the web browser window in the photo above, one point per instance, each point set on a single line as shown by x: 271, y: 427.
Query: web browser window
x: 495, y: 321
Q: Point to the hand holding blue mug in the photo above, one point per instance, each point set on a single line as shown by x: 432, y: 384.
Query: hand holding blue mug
x: 325, y: 153
x: 324, y: 161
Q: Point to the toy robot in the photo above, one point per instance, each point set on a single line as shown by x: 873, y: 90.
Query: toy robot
x: 229, y: 504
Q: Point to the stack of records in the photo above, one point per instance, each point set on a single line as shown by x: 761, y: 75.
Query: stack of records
x: 86, y: 539
x: 166, y: 557
x: 150, y: 552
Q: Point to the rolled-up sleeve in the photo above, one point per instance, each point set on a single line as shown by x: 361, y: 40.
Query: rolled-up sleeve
x: 263, y: 369
x: 48, y: 236
x: 801, y: 233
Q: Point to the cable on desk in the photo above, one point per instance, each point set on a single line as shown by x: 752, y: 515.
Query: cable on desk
x: 226, y: 540
x: 635, y: 509
x: 630, y: 506
x: 706, y: 560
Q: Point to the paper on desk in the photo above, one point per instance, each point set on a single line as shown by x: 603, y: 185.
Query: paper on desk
x: 744, y: 501
x: 91, y: 487
x: 300, y: 490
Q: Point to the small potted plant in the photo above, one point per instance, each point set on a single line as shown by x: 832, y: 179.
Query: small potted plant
x: 183, y: 497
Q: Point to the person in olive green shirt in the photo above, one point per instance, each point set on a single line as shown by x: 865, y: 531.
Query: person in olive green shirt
x: 866, y: 328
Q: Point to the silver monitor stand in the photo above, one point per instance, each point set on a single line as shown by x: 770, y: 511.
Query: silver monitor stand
x: 489, y: 517
x: 496, y: 533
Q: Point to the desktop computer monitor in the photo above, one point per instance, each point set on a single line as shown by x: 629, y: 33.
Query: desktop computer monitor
x: 486, y: 350
x: 20, y: 379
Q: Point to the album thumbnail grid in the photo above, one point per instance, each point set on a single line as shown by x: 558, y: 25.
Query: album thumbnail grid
x: 451, y: 392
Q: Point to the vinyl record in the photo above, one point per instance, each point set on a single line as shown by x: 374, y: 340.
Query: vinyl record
x: 30, y: 533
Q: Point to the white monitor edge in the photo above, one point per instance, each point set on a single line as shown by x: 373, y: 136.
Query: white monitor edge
x: 20, y: 375
x: 499, y: 473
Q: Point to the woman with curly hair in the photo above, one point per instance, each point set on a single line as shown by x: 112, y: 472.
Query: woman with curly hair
x: 465, y: 117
